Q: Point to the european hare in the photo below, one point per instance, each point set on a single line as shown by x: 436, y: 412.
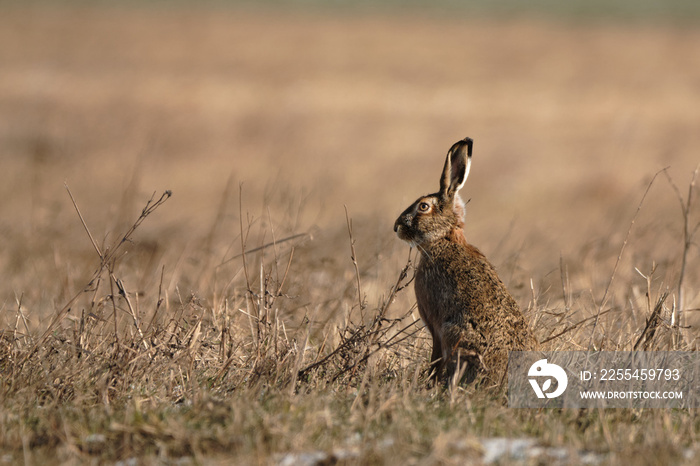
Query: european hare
x: 472, y: 318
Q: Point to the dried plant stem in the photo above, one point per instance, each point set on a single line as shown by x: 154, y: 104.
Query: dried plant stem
x: 106, y: 257
x: 243, y: 236
x: 114, y: 313
x: 604, y: 300
x: 368, y: 336
x: 353, y: 257
x: 159, y: 303
x: 645, y: 340
x: 265, y: 246
x: 689, y: 232
x: 82, y: 221
x: 574, y: 326
x: 132, y: 312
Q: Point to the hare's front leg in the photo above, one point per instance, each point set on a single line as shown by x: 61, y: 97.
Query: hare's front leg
x: 459, y: 352
x: 437, y: 362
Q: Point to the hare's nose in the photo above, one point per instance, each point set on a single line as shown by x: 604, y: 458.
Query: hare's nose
x: 396, y: 226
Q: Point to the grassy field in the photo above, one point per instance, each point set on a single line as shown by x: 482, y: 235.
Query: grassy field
x: 260, y: 312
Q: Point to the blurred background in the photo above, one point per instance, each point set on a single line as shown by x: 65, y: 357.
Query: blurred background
x: 286, y: 112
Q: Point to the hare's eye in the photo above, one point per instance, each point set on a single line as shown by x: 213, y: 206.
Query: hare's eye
x: 423, y: 207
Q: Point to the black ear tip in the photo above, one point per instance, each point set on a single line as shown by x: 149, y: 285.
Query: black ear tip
x: 460, y: 145
x: 470, y: 142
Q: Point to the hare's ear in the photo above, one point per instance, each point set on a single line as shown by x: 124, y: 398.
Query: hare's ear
x: 457, y: 163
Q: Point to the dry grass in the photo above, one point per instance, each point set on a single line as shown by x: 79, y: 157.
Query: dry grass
x: 245, y: 316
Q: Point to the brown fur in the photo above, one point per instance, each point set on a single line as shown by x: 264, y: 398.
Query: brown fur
x: 473, y: 319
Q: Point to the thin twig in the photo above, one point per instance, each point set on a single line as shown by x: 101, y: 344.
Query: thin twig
x: 20, y: 314
x: 653, y: 322
x: 134, y: 316
x: 114, y: 313
x: 688, y: 235
x: 398, y: 286
x: 353, y: 257
x: 265, y: 246
x: 160, y: 300
x: 244, y: 238
x: 104, y: 260
x: 577, y: 324
x: 147, y: 210
x: 374, y: 332
x: 82, y: 220
x: 603, y: 301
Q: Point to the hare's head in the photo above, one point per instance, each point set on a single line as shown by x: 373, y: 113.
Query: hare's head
x: 436, y: 215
